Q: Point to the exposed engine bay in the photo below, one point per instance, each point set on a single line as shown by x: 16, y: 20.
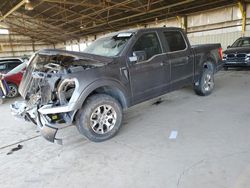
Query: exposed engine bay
x: 48, y: 87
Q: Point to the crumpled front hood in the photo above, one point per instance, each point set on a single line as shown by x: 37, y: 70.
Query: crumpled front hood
x: 53, y: 64
x: 67, y: 58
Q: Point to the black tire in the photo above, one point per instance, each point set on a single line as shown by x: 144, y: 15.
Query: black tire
x: 13, y: 91
x: 92, y: 124
x: 205, y: 85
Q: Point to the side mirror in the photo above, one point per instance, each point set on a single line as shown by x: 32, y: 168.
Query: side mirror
x: 138, y: 56
x: 228, y: 46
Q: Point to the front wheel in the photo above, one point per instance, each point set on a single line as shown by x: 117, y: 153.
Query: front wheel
x: 205, y: 85
x: 100, y: 118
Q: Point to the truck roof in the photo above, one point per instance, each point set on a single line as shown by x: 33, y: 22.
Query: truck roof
x: 142, y: 29
x: 153, y: 28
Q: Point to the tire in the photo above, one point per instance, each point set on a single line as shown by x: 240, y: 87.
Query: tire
x: 205, y: 84
x: 13, y: 91
x: 100, y: 118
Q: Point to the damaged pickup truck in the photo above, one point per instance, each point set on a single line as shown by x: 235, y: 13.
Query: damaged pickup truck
x: 91, y: 89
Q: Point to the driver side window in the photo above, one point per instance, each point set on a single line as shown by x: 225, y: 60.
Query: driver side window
x: 148, y: 43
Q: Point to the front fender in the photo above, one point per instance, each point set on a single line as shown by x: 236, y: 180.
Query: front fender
x: 104, y: 83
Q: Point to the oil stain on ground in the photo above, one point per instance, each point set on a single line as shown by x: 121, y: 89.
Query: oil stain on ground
x: 19, y: 146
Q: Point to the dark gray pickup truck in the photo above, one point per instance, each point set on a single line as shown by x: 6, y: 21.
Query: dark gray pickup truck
x: 91, y: 89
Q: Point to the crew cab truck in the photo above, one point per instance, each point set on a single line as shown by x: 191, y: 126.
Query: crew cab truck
x: 91, y: 89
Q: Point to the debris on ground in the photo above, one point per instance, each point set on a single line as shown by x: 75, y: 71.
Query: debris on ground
x: 159, y: 101
x: 19, y: 146
x: 173, y: 135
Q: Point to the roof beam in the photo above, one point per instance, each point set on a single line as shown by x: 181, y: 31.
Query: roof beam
x: 24, y: 31
x: 132, y: 16
x: 75, y: 3
x: 97, y: 12
x: 53, y: 30
x: 92, y: 15
x: 21, y: 3
x: 116, y: 15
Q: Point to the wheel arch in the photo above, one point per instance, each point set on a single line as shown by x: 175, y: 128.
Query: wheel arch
x: 10, y: 82
x: 109, y: 87
x: 209, y: 62
x: 206, y: 61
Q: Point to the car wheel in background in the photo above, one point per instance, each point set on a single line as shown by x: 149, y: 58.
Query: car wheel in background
x: 13, y: 91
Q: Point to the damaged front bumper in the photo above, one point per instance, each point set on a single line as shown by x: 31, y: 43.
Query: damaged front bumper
x: 21, y: 109
x: 47, y: 118
x: 48, y: 129
x: 50, y: 88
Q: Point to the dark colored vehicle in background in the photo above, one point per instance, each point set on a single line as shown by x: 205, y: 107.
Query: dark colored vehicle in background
x: 91, y: 89
x: 13, y: 79
x: 238, y: 54
x: 7, y: 64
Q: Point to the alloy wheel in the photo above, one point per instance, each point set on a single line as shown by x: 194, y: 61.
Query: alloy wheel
x: 208, y: 82
x: 103, y: 119
x: 12, y: 91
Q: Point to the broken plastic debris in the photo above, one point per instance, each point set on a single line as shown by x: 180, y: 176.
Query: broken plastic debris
x: 19, y: 146
x: 173, y: 134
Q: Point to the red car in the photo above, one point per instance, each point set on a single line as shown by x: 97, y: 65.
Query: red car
x: 13, y: 79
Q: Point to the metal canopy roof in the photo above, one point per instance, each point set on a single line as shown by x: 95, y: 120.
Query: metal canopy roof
x: 56, y: 21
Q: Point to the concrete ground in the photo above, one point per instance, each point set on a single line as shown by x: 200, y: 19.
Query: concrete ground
x: 211, y: 149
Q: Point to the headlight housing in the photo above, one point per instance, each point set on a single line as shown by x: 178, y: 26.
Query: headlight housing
x: 66, y: 89
x: 224, y: 56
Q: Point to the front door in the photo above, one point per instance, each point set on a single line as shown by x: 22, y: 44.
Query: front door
x: 148, y: 77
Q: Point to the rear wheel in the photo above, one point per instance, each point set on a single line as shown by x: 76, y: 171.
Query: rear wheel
x: 13, y: 91
x: 205, y: 85
x: 100, y: 118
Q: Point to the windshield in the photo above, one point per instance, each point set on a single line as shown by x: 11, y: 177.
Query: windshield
x: 109, y: 46
x: 242, y: 43
x: 17, y: 69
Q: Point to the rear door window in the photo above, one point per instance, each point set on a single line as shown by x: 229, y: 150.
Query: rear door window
x: 12, y: 65
x: 174, y: 41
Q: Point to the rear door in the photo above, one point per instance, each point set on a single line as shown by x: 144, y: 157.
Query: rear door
x: 148, y: 77
x: 180, y: 57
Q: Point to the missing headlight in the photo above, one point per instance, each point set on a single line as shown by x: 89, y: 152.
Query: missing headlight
x: 65, y: 90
